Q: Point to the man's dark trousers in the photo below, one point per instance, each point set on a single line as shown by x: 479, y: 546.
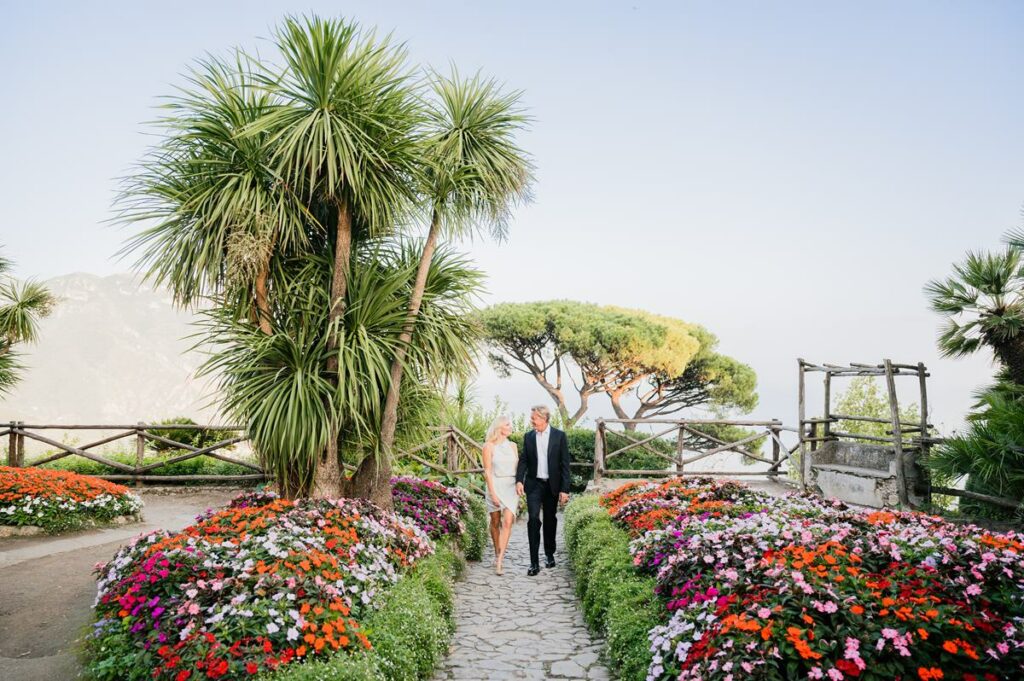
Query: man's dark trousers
x: 541, y: 502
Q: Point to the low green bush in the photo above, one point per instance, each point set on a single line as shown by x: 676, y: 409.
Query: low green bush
x: 474, y: 539
x: 409, y: 633
x: 618, y: 602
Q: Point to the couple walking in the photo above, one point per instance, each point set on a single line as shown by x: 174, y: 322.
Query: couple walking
x: 541, y: 473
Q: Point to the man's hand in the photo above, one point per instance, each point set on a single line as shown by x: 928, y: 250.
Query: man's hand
x: 563, y: 498
x: 519, y: 489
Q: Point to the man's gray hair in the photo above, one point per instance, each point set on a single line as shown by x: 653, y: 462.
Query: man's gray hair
x: 543, y: 411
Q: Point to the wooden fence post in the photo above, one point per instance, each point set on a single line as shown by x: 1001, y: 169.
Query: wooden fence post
x: 776, y: 454
x: 897, y: 435
x: 452, y: 451
x: 599, y: 443
x: 140, y: 449
x: 925, y: 450
x: 680, y: 447
x: 801, y: 415
x: 12, y: 446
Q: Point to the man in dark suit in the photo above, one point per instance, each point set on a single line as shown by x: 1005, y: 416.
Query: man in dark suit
x: 543, y: 475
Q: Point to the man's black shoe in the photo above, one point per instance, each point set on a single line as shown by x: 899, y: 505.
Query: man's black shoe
x: 534, y: 569
x: 550, y: 562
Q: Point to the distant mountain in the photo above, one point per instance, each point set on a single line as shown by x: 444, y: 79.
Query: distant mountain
x: 112, y: 351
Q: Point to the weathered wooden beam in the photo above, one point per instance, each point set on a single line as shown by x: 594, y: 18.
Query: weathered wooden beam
x: 193, y: 454
x: 998, y: 501
x: 75, y: 450
x: 897, y: 436
x: 97, y: 443
x: 185, y: 478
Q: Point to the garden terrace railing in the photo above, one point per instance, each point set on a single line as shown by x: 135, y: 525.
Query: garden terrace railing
x: 455, y: 454
x: 694, y: 440
x: 140, y: 471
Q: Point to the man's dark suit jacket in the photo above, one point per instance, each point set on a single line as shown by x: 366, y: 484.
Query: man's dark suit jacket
x: 559, y: 474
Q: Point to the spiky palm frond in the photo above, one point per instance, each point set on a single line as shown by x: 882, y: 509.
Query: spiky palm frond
x: 207, y: 186
x: 22, y: 305
x: 473, y: 170
x: 983, y: 304
x: 278, y: 384
x: 346, y: 127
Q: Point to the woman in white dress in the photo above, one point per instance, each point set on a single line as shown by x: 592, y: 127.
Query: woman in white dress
x: 500, y: 461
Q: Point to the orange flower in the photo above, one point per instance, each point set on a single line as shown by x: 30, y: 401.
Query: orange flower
x: 929, y: 673
x: 949, y: 647
x: 857, y: 610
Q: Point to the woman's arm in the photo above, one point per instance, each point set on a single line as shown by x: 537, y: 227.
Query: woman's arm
x: 488, y: 456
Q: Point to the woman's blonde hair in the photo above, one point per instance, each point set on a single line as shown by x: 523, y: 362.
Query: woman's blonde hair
x: 492, y: 432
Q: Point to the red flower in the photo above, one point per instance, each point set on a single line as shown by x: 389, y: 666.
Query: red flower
x: 847, y: 667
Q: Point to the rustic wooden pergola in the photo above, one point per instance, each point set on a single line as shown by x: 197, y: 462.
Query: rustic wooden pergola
x: 810, y: 439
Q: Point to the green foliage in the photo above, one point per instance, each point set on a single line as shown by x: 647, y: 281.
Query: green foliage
x: 409, y: 633
x: 665, y: 364
x: 990, y: 453
x: 864, y: 397
x: 197, y: 437
x: 22, y: 305
x: 474, y: 539
x: 983, y: 306
x: 278, y: 384
x: 618, y: 603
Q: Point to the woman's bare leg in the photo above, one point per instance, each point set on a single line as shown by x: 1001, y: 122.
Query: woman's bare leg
x: 496, y: 533
x: 507, y: 519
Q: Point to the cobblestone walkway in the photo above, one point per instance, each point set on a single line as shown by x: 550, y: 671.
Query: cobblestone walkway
x: 519, y: 627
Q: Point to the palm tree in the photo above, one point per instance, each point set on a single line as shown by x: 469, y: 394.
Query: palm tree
x: 259, y: 167
x: 984, y: 306
x: 22, y: 305
x: 215, y: 212
x: 472, y: 174
x: 277, y: 383
x: 344, y: 141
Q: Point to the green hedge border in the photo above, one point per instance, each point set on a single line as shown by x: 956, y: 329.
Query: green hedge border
x: 618, y: 602
x: 411, y: 631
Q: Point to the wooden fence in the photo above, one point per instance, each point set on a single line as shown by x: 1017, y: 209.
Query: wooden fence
x: 17, y: 432
x: 685, y: 432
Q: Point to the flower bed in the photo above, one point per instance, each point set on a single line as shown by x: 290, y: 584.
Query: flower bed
x: 266, y: 582
x: 754, y: 586
x: 60, y: 500
x: 439, y: 510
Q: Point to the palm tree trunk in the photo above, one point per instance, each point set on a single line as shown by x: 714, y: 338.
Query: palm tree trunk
x: 262, y: 299
x: 373, y: 479
x: 1011, y: 354
x: 327, y: 479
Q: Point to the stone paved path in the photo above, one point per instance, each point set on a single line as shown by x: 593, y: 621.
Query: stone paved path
x: 519, y: 627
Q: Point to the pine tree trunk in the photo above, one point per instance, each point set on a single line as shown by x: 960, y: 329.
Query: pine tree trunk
x: 327, y: 480
x: 373, y: 479
x: 616, y: 399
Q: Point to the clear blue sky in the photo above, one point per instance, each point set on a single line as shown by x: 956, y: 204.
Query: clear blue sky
x: 788, y: 174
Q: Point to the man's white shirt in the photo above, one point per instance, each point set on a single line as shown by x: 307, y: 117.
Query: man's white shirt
x: 542, y: 452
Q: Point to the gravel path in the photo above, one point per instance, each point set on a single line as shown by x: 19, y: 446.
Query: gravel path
x: 520, y: 627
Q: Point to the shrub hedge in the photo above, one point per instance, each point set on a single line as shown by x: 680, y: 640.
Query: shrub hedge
x: 409, y: 633
x: 618, y: 602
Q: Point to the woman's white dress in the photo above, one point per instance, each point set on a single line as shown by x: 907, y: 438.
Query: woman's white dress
x: 504, y: 460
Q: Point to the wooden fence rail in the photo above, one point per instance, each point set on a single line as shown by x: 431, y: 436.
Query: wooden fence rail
x: 693, y: 436
x: 138, y: 472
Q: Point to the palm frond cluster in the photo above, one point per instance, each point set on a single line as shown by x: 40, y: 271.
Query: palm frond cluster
x: 22, y: 305
x: 982, y: 303
x: 282, y: 198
